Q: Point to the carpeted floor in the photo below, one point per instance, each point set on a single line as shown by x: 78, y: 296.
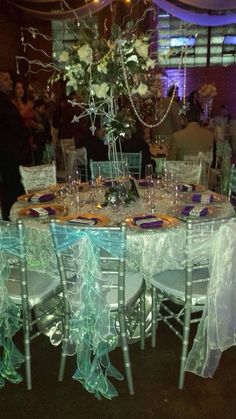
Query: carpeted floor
x: 155, y: 377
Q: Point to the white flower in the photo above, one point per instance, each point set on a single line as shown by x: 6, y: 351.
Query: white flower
x: 72, y: 83
x: 102, y: 67
x: 63, y: 57
x: 141, y: 89
x: 141, y: 48
x: 100, y: 90
x: 85, y: 54
x: 150, y: 63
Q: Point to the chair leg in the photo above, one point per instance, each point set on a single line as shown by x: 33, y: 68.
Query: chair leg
x: 154, y: 317
x: 142, y: 320
x: 27, y: 351
x: 125, y: 350
x: 65, y: 341
x: 185, y: 344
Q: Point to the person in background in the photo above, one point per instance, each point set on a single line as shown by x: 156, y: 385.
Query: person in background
x: 195, y: 104
x: 138, y: 143
x: 41, y: 131
x: 171, y: 123
x: 171, y: 91
x: 192, y: 139
x: 23, y: 103
x: 14, y: 146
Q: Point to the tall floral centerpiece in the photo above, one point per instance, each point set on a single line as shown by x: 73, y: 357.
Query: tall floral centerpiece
x: 104, y: 72
x: 206, y: 93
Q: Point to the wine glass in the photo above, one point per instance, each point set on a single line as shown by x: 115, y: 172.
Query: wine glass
x: 149, y: 172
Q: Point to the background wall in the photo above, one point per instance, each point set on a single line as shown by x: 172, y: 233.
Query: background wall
x: 222, y: 77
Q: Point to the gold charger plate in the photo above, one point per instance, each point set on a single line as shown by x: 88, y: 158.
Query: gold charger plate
x: 103, y: 220
x: 212, y: 212
x: 168, y: 221
x: 60, y: 211
x: 217, y: 198
x: 27, y: 196
x: 198, y: 188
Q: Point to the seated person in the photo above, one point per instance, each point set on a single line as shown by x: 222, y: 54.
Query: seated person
x: 135, y: 144
x: 191, y: 140
x: 41, y: 132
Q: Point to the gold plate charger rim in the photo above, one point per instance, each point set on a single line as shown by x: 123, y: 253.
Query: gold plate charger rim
x: 168, y: 221
x: 60, y: 209
x: 25, y: 197
x: 103, y: 220
x: 217, y: 198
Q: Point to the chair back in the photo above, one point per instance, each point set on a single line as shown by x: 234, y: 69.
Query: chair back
x: 205, y: 158
x: 49, y: 154
x: 232, y: 186
x: 185, y: 171
x: 24, y: 290
x: 134, y: 161
x: 36, y: 178
x: 91, y: 263
x: 12, y: 255
x: 107, y: 169
x: 82, y: 162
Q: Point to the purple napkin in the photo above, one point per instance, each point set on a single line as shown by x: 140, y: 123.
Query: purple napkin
x: 42, y: 212
x: 203, y: 198
x: 84, y: 221
x: 148, y: 221
x: 194, y: 210
x: 145, y: 182
x: 41, y: 198
x: 186, y: 187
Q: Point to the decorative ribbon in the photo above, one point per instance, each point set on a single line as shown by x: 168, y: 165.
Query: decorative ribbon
x: 10, y: 314
x: 91, y: 326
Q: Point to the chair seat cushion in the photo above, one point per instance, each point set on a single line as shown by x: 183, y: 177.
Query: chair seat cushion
x: 133, y: 289
x: 172, y: 283
x: 40, y: 286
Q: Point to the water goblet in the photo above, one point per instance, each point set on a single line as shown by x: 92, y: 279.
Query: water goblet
x: 149, y: 172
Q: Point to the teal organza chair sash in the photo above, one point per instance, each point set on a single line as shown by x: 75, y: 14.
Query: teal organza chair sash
x: 11, y: 246
x: 91, y: 326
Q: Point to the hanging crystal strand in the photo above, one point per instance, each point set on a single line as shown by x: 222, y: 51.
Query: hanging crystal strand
x: 112, y: 141
x: 131, y: 98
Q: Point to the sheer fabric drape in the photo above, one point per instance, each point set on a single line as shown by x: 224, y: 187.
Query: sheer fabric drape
x: 217, y: 329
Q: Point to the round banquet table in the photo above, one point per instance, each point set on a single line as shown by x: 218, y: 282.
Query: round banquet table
x: 148, y: 250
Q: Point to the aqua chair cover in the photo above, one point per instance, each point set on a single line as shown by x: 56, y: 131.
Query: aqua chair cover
x: 10, y: 314
x: 217, y: 328
x: 91, y: 325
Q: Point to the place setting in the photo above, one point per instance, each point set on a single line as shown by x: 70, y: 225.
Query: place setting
x: 151, y: 221
x: 86, y: 219
x: 43, y: 212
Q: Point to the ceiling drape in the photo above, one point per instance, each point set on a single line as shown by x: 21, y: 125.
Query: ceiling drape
x: 211, y: 4
x: 202, y: 19
x: 87, y: 9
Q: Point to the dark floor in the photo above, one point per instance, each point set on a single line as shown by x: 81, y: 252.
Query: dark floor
x: 156, y: 395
